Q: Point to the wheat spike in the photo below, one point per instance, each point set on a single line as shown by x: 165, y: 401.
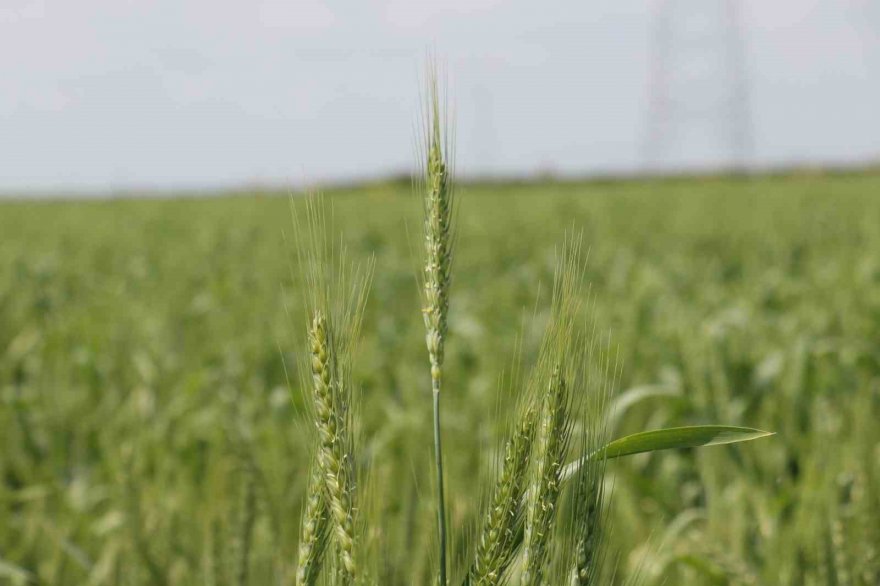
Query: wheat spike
x: 436, y: 279
x: 555, y: 431
x: 438, y: 241
x: 589, y: 518
x: 332, y: 457
x: 498, y: 540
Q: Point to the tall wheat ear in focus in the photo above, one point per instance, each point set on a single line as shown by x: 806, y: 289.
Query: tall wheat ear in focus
x: 436, y: 185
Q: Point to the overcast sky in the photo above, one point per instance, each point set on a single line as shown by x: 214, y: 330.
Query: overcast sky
x: 175, y: 93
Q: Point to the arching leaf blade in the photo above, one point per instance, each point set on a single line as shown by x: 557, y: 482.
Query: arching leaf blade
x: 679, y: 437
x: 667, y: 439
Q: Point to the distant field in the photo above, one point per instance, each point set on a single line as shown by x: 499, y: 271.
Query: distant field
x: 143, y: 344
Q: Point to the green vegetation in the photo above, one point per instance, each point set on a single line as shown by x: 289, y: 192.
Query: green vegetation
x: 150, y: 435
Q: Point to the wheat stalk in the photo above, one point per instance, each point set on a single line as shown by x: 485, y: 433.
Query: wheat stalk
x: 436, y: 281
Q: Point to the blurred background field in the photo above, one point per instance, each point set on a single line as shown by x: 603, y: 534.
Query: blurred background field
x: 719, y: 157
x: 143, y: 346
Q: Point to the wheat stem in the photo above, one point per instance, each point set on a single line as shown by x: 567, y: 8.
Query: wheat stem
x: 437, y: 273
x: 441, y: 498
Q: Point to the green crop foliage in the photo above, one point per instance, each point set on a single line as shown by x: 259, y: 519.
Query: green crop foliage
x: 151, y: 400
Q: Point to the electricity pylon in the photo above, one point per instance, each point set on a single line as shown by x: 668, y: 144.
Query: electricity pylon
x: 698, y: 87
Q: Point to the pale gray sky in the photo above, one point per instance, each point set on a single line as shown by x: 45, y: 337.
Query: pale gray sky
x: 174, y: 93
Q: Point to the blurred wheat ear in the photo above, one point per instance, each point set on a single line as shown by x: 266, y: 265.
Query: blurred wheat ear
x: 589, y: 519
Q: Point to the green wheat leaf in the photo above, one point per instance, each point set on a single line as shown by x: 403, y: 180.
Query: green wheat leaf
x: 670, y: 438
x: 679, y: 437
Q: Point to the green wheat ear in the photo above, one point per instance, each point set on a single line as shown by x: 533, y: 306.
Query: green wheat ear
x: 555, y: 431
x: 336, y: 294
x: 498, y: 539
x: 333, y: 459
x: 438, y: 232
x: 540, y: 434
x: 437, y: 274
x: 557, y: 370
x: 589, y: 518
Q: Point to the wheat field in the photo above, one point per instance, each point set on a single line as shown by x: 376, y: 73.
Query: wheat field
x: 155, y: 385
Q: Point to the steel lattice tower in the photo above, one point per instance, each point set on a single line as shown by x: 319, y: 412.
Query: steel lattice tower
x: 698, y: 87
